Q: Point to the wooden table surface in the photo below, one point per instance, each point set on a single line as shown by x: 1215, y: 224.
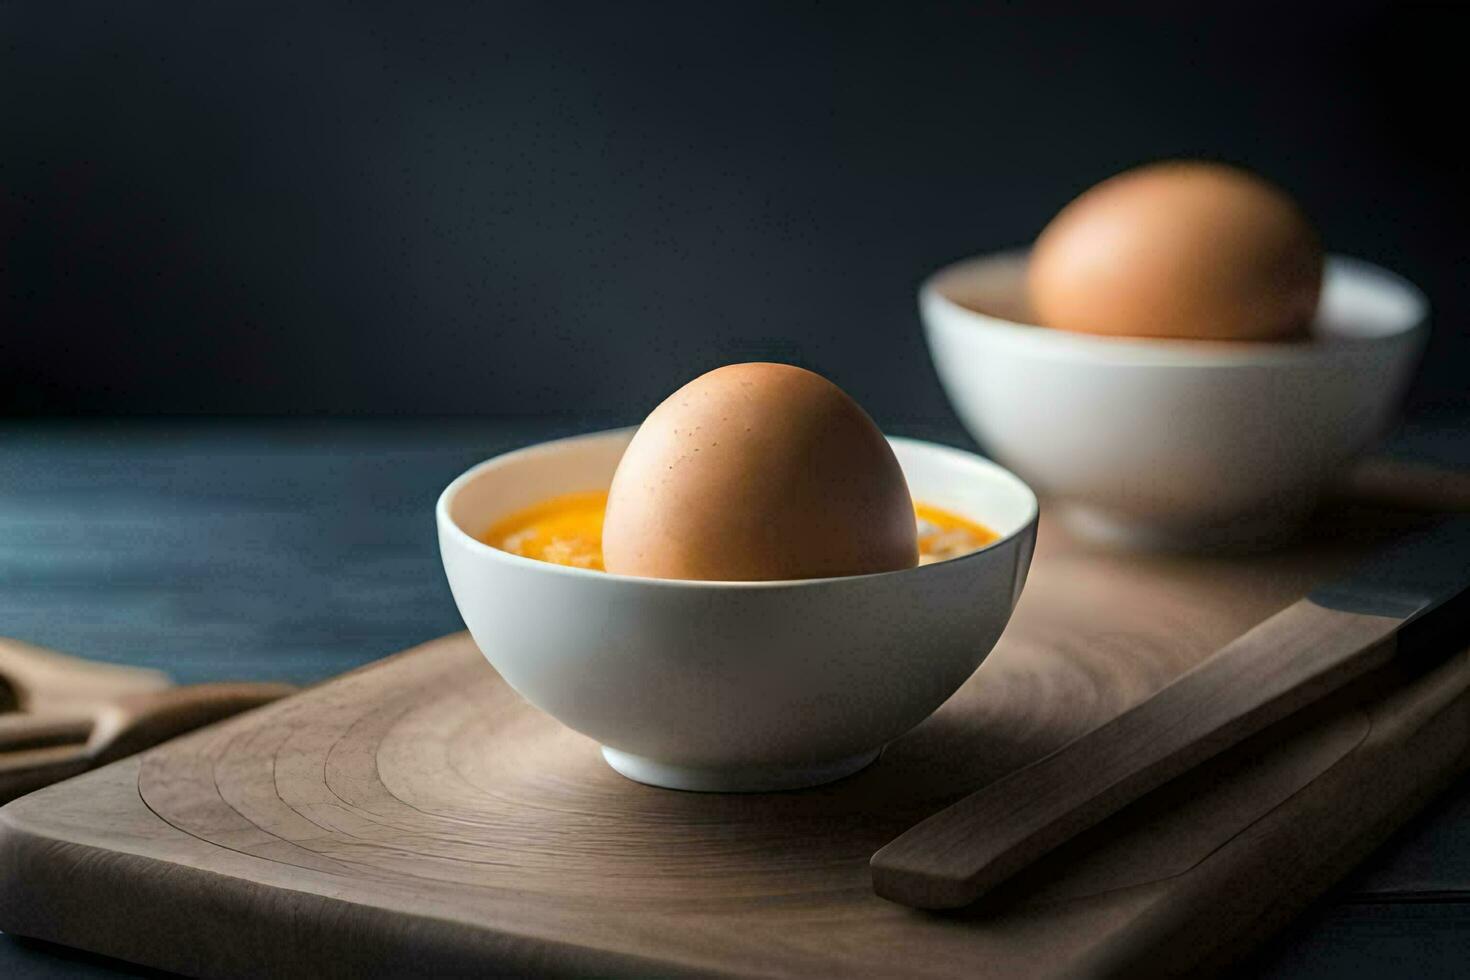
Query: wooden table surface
x: 297, y: 550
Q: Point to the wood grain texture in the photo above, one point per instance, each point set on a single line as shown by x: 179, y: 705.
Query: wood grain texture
x: 1273, y: 670
x: 415, y: 816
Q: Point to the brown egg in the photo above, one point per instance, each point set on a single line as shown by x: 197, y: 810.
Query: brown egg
x: 1178, y: 249
x: 757, y: 472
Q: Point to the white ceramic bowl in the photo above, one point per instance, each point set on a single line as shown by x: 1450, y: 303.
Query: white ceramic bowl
x: 733, y: 685
x: 1160, y: 443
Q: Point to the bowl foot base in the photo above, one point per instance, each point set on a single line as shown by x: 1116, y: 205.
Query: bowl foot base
x: 744, y: 779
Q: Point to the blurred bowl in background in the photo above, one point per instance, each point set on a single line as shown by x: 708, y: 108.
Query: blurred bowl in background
x: 1173, y: 443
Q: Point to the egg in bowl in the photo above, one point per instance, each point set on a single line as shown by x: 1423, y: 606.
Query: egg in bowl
x: 732, y: 686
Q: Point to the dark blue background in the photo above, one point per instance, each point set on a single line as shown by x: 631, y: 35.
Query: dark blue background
x: 528, y: 208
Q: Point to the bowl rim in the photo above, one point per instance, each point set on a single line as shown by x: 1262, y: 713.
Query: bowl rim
x: 447, y: 524
x: 1171, y: 351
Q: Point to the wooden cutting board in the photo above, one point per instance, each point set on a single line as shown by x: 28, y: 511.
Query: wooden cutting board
x: 416, y: 817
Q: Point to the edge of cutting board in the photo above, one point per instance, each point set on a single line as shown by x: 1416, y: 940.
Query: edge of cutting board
x: 215, y: 911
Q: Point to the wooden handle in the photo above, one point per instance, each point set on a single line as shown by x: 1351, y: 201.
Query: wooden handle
x: 26, y: 730
x: 141, y: 721
x: 1283, y: 664
x: 39, y: 679
x: 134, y: 723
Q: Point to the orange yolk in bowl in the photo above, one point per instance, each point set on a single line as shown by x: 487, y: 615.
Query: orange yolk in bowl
x: 567, y: 530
